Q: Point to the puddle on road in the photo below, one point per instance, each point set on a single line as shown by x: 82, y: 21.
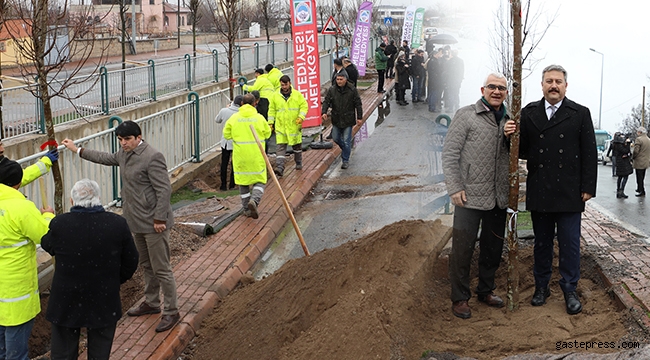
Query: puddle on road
x: 374, y: 120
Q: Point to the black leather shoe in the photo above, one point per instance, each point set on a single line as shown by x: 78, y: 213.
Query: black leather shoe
x: 573, y: 305
x: 491, y: 300
x: 143, y: 309
x: 461, y: 309
x: 540, y: 296
x: 167, y: 322
x: 640, y: 194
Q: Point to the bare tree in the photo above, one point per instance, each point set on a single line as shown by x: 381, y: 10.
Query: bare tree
x: 47, y: 54
x: 633, y: 120
x: 534, y: 25
x: 270, y: 14
x: 227, y: 19
x: 516, y: 39
x: 195, y: 17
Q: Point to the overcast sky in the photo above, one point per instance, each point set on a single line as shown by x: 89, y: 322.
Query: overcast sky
x: 618, y: 29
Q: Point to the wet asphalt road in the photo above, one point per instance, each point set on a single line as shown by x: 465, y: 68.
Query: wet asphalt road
x: 633, y: 213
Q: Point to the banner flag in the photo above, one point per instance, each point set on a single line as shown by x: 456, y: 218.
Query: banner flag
x: 417, y: 28
x: 407, y: 28
x: 306, y: 60
x: 360, y: 40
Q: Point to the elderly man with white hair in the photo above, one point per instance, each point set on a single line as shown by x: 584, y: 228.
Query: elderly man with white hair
x: 641, y: 158
x: 95, y: 254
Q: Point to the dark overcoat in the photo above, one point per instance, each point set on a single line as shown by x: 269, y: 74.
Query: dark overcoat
x: 95, y: 254
x: 562, y: 156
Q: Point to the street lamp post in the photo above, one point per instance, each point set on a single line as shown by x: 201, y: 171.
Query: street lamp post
x: 602, y: 64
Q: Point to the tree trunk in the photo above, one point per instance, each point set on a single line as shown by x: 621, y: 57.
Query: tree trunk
x: 513, y: 177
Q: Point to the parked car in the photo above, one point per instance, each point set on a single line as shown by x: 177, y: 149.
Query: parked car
x: 430, y: 32
x: 602, y: 155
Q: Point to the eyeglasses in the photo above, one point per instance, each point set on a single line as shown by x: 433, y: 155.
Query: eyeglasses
x: 494, y: 87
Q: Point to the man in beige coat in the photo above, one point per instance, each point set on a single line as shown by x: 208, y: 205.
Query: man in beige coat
x: 641, y: 158
x: 475, y: 164
x: 146, y: 194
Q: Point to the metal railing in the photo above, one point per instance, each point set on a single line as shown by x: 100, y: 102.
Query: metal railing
x: 22, y: 113
x: 182, y: 134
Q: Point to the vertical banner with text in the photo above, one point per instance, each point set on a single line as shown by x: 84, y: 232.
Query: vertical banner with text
x: 407, y: 28
x: 417, y: 28
x: 360, y: 40
x: 306, y: 62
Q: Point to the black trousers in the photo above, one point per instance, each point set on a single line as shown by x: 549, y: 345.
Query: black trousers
x: 465, y: 231
x: 65, y: 342
x: 263, y: 107
x: 380, y: 80
x: 640, y: 178
x: 567, y: 225
x: 225, y: 161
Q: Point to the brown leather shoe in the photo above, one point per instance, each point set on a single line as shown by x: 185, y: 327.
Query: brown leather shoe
x: 143, y: 309
x: 461, y: 309
x: 167, y: 322
x: 491, y: 299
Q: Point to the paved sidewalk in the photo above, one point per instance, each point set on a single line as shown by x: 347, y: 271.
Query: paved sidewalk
x: 624, y: 261
x: 211, y: 273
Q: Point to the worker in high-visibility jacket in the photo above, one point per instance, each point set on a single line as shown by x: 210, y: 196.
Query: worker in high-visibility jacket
x: 266, y: 89
x: 22, y: 226
x: 248, y: 161
x: 40, y: 168
x: 287, y: 111
x: 273, y: 74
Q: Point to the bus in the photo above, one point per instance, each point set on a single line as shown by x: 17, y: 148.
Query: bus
x: 601, y: 137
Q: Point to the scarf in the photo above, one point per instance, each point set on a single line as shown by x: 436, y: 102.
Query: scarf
x: 498, y: 114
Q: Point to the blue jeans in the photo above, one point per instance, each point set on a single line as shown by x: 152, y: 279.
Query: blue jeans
x: 415, y: 91
x: 13, y: 341
x: 343, y: 138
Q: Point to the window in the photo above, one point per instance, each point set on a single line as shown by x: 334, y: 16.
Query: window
x: 182, y: 20
x: 166, y: 20
x: 152, y: 2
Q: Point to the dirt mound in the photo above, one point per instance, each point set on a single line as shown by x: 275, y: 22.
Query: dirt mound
x: 386, y: 296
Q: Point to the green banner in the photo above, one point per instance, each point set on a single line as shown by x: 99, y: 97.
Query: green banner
x: 417, y: 28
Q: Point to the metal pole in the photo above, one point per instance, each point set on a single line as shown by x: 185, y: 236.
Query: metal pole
x: 643, y: 109
x: 602, y: 66
x: 133, y: 25
x: 178, y: 23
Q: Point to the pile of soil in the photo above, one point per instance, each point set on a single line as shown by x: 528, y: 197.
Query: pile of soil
x: 386, y: 296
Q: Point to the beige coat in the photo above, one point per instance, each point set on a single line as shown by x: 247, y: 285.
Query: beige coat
x: 641, y: 155
x: 146, y: 189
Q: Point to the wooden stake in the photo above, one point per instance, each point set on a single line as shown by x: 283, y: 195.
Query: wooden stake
x: 41, y: 182
x: 282, y: 196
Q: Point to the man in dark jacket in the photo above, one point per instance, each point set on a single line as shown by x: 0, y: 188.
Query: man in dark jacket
x: 95, y: 253
x: 338, y: 69
x: 435, y: 81
x: 418, y: 72
x: 345, y: 102
x: 557, y: 139
x: 381, y: 61
x: 391, y: 52
x: 351, y: 69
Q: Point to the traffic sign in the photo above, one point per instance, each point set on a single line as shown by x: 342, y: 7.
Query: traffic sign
x: 388, y: 21
x: 331, y: 27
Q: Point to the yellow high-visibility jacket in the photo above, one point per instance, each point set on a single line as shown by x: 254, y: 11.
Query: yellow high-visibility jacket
x: 274, y: 77
x: 21, y: 227
x: 263, y: 85
x: 287, y: 116
x: 34, y: 171
x: 247, y: 160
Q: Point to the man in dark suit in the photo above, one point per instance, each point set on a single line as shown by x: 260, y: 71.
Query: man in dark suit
x: 146, y: 194
x: 94, y: 253
x: 557, y: 139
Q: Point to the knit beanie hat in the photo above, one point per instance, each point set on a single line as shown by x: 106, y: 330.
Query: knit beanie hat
x: 11, y: 173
